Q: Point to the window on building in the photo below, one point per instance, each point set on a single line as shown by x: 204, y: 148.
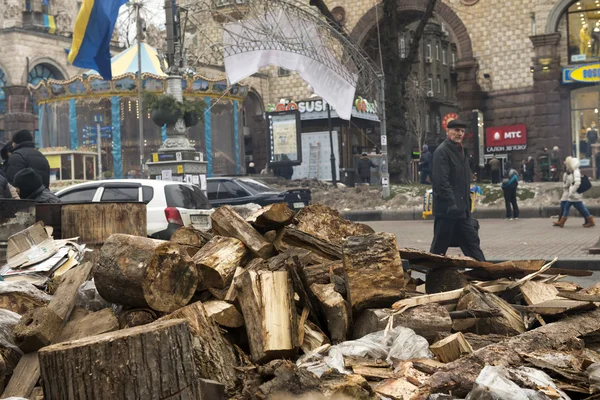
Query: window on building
x: 584, y: 122
x: 39, y: 73
x: 2, y: 94
x: 583, y: 25
x: 429, y: 50
x: 453, y: 60
x: 444, y: 61
x: 430, y: 83
x: 437, y: 52
x: 284, y: 72
x: 427, y: 122
x: 439, y: 84
x: 445, y: 87
x: 46, y: 7
x: 438, y: 124
x: 402, y: 47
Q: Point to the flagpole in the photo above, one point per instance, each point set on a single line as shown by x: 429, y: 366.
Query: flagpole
x: 137, y: 6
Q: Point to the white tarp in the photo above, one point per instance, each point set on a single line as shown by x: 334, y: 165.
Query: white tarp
x: 259, y: 49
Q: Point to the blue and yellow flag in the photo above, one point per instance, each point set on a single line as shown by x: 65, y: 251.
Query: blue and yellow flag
x: 92, y: 33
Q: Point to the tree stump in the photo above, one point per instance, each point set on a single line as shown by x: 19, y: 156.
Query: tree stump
x: 145, y: 273
x: 147, y: 362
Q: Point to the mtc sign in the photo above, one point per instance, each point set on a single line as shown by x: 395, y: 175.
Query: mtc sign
x: 505, y: 138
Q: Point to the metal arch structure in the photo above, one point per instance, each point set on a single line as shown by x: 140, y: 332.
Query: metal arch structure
x: 313, y: 37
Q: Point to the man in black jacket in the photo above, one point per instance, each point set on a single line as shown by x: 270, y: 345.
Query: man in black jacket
x: 30, y: 187
x: 451, y: 196
x: 25, y: 155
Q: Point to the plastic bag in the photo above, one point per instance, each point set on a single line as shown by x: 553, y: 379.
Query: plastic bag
x: 493, y: 383
x: 89, y: 298
x: 407, y: 346
x: 540, y: 379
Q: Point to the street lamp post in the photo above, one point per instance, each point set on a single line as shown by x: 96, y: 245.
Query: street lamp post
x: 332, y: 157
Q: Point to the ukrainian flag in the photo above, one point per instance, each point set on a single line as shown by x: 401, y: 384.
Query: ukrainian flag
x: 92, y: 33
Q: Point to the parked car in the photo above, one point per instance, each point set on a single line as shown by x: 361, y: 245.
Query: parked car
x: 240, y: 190
x: 170, y: 205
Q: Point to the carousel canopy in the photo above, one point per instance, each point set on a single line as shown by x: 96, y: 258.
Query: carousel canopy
x: 127, y: 61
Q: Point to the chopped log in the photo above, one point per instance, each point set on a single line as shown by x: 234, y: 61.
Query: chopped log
x: 558, y: 306
x: 440, y: 280
x: 186, y: 235
x: 218, y: 260
x: 451, y: 348
x: 21, y: 297
x: 325, y: 223
x: 214, y: 356
x: 270, y: 236
x: 373, y: 373
x: 336, y: 310
x: 9, y: 352
x: 292, y: 237
x: 306, y: 298
x: 397, y: 389
x: 96, y: 323
x: 330, y: 272
x: 145, y: 273
x: 305, y: 257
x: 224, y: 314
x: 411, y: 373
x: 355, y: 361
x: 137, y: 358
x: 218, y: 294
x: 232, y: 292
x: 271, y: 217
x: 427, y: 321
x: 508, y: 323
x: 313, y: 337
x: 136, y: 317
x: 226, y: 222
x: 537, y: 292
x: 374, y: 268
x: 266, y: 299
x: 459, y: 376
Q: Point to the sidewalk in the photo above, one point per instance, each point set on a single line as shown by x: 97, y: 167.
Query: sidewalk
x: 512, y: 240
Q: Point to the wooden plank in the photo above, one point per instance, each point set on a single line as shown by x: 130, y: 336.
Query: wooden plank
x: 533, y: 275
x: 24, y: 377
x: 558, y: 306
x: 444, y: 297
x: 537, y: 292
x: 373, y: 373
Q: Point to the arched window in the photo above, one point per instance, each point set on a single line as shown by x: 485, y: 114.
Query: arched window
x: 3, y: 83
x: 41, y: 72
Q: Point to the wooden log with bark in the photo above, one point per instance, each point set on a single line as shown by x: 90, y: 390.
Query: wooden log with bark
x: 459, y: 376
x: 266, y: 300
x: 271, y: 217
x: 189, y: 236
x: 224, y: 314
x: 214, y: 357
x: 451, y: 348
x: 226, y: 222
x: 140, y: 365
x: 325, y: 223
x: 136, y: 317
x: 218, y: 260
x: 21, y: 297
x: 145, y: 273
x: 374, y: 269
x: 292, y: 237
x: 336, y: 310
x: 92, y: 324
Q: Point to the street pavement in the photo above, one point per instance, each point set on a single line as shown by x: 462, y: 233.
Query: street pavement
x: 501, y: 240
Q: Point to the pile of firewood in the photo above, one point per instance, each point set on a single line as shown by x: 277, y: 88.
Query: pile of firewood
x: 240, y: 312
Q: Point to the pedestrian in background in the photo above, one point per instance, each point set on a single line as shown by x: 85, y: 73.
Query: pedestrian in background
x: 30, y: 187
x: 364, y: 168
x: 5, y: 153
x: 495, y: 168
x: 426, y: 159
x: 530, y: 169
x: 25, y: 155
x: 452, y: 196
x: 509, y: 187
x: 572, y: 181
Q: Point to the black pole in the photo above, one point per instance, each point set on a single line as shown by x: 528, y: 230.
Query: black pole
x: 332, y: 158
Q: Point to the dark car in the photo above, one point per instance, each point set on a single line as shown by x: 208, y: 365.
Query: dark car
x: 237, y: 191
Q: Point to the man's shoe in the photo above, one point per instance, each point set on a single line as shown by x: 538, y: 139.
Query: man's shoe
x: 589, y: 222
x: 561, y: 222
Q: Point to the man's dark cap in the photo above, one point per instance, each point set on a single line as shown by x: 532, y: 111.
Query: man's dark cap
x: 455, y: 123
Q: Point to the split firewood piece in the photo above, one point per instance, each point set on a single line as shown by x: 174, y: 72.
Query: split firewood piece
x: 374, y: 269
x: 538, y: 292
x: 145, y: 273
x: 226, y: 222
x: 218, y: 260
x: 92, y: 324
x: 459, y: 376
x: 271, y: 217
x: 451, y: 348
x: 213, y: 355
x: 292, y: 237
x: 373, y: 373
x: 427, y: 321
x: 189, y: 236
x: 21, y: 297
x: 224, y: 314
x: 267, y: 303
x: 313, y: 337
x: 336, y: 310
x: 508, y: 323
x: 557, y: 306
x: 232, y: 292
x: 130, y: 352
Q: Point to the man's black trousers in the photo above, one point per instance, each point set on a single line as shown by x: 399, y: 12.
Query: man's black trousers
x: 461, y: 231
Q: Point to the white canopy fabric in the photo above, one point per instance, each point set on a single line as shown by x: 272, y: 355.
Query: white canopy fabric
x: 257, y: 43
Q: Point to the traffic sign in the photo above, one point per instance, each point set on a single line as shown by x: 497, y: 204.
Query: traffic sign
x: 98, y: 118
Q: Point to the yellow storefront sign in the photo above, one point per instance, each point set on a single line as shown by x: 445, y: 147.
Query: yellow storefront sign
x: 54, y: 161
x: 586, y: 73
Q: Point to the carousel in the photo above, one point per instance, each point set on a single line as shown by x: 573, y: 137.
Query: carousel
x: 69, y: 112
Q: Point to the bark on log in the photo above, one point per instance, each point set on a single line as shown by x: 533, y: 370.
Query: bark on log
x: 214, y: 356
x: 336, y: 310
x: 189, y: 236
x: 292, y: 237
x: 21, y: 297
x: 145, y: 273
x: 136, y: 317
x: 218, y: 260
x: 266, y: 299
x: 427, y: 321
x: 271, y: 217
x: 150, y: 362
x: 226, y: 222
x: 224, y: 314
x: 323, y: 273
x: 96, y: 323
x: 459, y: 376
x: 374, y: 268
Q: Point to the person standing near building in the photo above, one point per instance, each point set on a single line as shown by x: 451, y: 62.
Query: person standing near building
x: 555, y: 164
x: 25, y: 155
x: 30, y: 186
x: 571, y: 196
x: 426, y: 159
x: 495, y: 168
x: 364, y: 168
x: 451, y: 196
x: 530, y: 169
x: 509, y: 188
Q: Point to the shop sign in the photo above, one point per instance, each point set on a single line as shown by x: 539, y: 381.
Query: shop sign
x: 447, y: 118
x: 318, y: 105
x: 505, y: 138
x: 589, y: 73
